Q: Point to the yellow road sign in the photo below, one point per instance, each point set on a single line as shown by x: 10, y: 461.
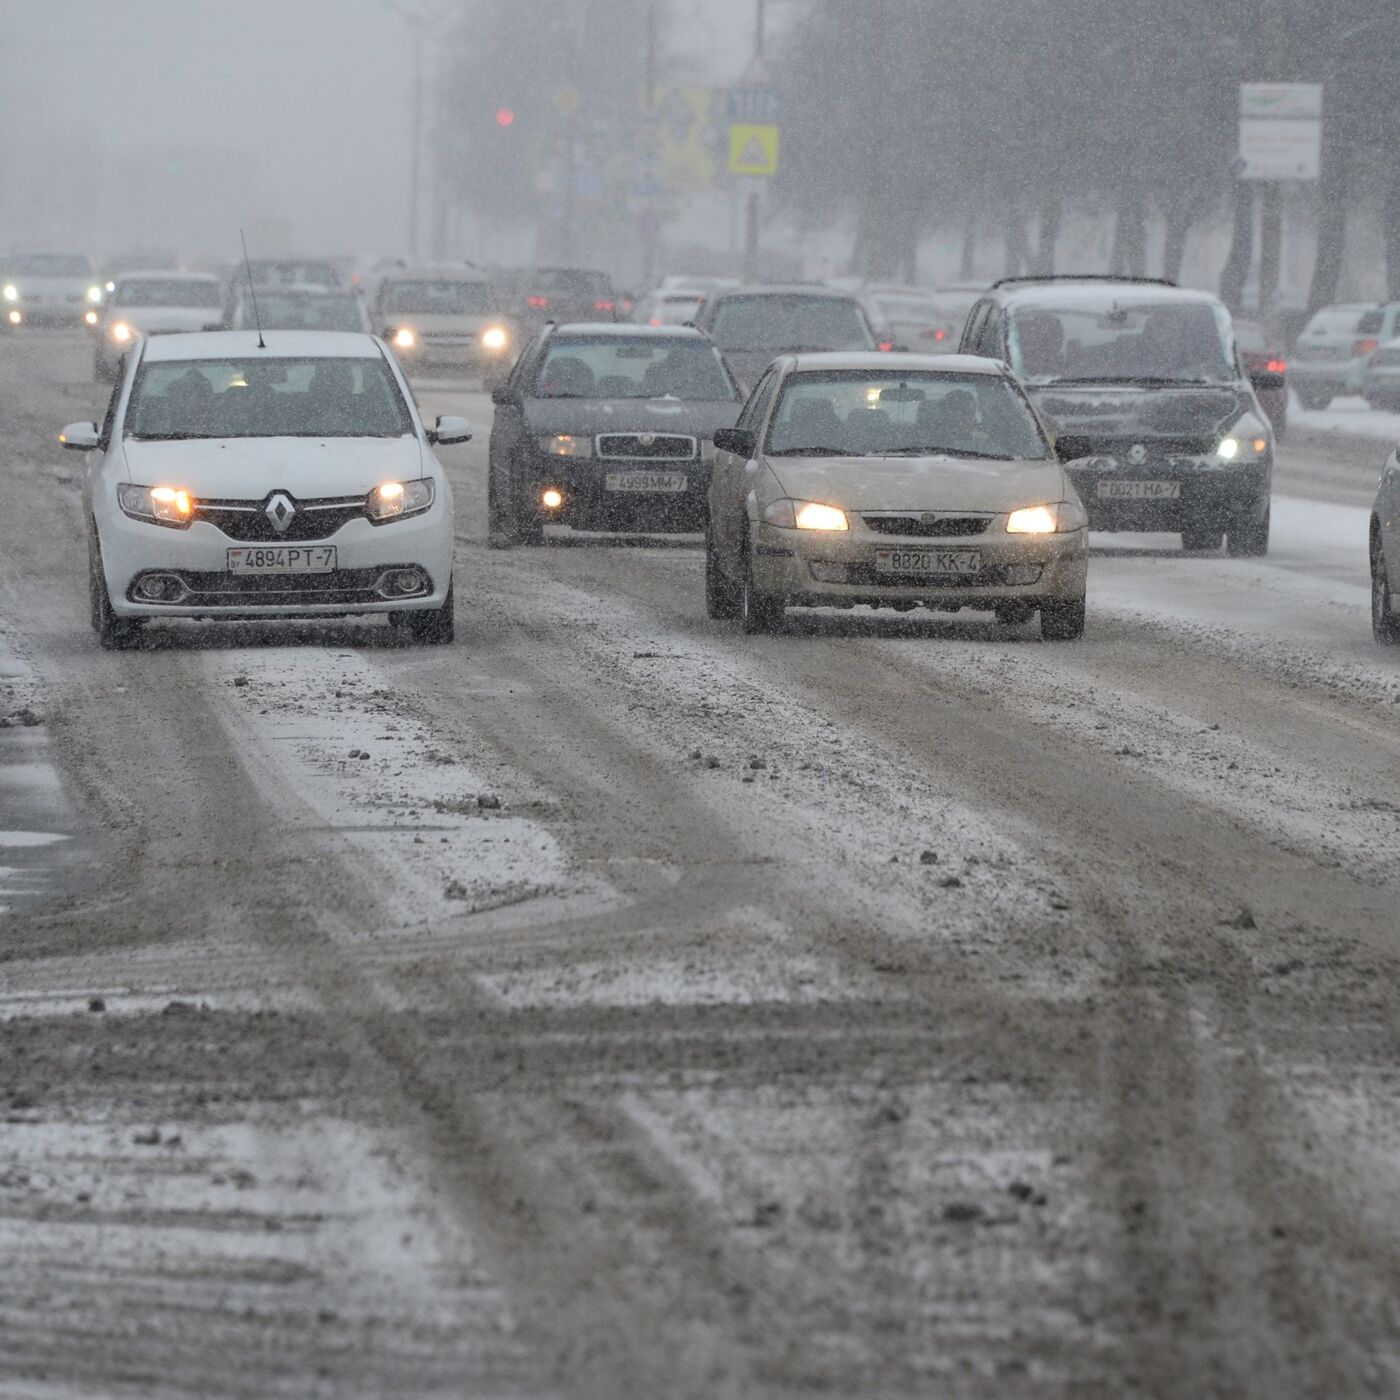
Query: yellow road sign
x: 753, y: 150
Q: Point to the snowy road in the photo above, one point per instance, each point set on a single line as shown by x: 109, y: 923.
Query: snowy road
x: 612, y: 1005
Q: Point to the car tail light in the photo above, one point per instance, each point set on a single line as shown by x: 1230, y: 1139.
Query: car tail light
x: 1277, y: 366
x: 603, y: 305
x: 885, y: 345
x: 537, y: 302
x: 1364, y: 347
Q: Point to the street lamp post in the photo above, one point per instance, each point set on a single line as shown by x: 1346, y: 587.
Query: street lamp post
x: 421, y: 25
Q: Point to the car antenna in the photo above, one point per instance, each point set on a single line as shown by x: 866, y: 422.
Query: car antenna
x: 253, y: 291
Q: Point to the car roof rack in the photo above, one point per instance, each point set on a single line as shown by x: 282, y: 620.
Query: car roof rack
x: 1032, y: 278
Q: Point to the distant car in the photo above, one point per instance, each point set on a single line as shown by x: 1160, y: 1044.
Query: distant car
x: 155, y: 303
x: 1380, y: 382
x: 448, y: 316
x: 754, y: 325
x: 560, y: 294
x: 1158, y: 423
x: 300, y: 308
x: 913, y: 319
x: 292, y: 479
x: 1385, y: 555
x: 607, y: 427
x: 895, y: 481
x: 286, y: 272
x: 1332, y: 352
x: 673, y: 306
x: 953, y: 304
x: 48, y: 289
x: 1258, y: 358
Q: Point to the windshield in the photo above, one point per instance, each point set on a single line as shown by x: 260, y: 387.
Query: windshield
x: 855, y: 414
x: 1344, y: 320
x: 569, y: 282
x: 449, y: 297
x: 1156, y: 341
x: 287, y: 270
x: 48, y: 265
x: 795, y: 322
x: 266, y: 398
x: 291, y: 311
x: 173, y: 293
x: 642, y: 368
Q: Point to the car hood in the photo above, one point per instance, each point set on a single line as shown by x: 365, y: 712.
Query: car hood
x: 455, y: 323
x: 249, y: 468
x: 588, y: 417
x: 51, y: 286
x: 1093, y: 412
x: 919, y: 483
x: 152, y: 319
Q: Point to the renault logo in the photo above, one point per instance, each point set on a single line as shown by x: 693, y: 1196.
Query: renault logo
x: 648, y: 439
x: 1137, y: 454
x: 280, y: 509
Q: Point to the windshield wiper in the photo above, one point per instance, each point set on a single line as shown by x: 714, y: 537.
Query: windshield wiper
x: 812, y: 452
x: 947, y: 452
x: 1146, y: 380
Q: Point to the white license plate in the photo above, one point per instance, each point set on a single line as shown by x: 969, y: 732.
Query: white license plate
x: 282, y: 559
x: 1139, y: 490
x: 927, y: 561
x: 646, y: 481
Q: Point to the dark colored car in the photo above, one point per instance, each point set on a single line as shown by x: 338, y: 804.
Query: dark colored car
x: 607, y: 427
x: 754, y: 325
x: 560, y: 294
x: 1257, y: 358
x: 1158, y: 425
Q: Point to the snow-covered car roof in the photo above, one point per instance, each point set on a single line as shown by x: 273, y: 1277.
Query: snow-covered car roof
x: 223, y: 345
x: 154, y: 275
x: 886, y: 364
x: 448, y: 272
x: 1101, y: 296
x: 792, y: 289
x: 627, y: 330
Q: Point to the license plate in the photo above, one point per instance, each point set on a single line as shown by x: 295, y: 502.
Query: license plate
x: 646, y: 481
x: 1139, y: 490
x: 927, y: 561
x: 282, y: 559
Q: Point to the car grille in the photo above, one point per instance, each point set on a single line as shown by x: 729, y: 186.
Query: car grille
x: 247, y: 521
x: 346, y: 588
x: 928, y: 525
x: 867, y: 575
x: 650, y: 447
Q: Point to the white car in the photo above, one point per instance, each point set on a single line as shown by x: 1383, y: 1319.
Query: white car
x: 445, y: 316
x: 48, y: 289
x: 287, y: 477
x: 155, y: 303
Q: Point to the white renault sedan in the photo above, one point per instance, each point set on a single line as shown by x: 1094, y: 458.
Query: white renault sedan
x: 285, y: 476
x: 893, y: 481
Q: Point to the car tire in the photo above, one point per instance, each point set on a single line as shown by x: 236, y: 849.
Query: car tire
x: 1248, y: 537
x: 429, y: 627
x: 1062, y: 619
x: 113, y: 633
x: 1385, y: 621
x: 760, y: 613
x: 1202, y: 539
x: 1314, y: 399
x: 721, y: 594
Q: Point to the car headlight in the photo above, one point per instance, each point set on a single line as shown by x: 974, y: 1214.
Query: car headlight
x: 1057, y: 518
x: 94, y: 295
x: 566, y: 445
x: 404, y: 339
x: 157, y: 505
x: 90, y: 317
x: 122, y: 333
x: 494, y: 338
x: 397, y: 500
x: 11, y: 292
x: 805, y: 515
x: 1236, y: 449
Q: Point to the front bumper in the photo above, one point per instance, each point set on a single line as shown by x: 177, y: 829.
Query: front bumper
x: 198, y: 555
x: 811, y: 568
x: 47, y: 313
x: 589, y: 505
x: 1210, y: 493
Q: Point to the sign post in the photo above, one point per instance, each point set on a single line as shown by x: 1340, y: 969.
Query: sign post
x: 1280, y: 131
x: 755, y: 110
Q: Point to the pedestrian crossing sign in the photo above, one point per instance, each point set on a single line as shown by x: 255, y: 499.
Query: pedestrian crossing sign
x: 753, y: 150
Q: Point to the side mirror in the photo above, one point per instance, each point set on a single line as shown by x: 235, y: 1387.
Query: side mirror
x: 80, y: 437
x: 1267, y: 380
x: 736, y: 440
x: 450, y: 430
x: 501, y: 396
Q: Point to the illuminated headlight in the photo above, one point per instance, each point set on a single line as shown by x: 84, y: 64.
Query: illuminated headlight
x: 551, y: 498
x: 159, y: 505
x: 805, y: 515
x: 396, y: 500
x: 90, y: 317
x: 1245, y: 442
x: 11, y: 292
x: 122, y: 333
x: 494, y: 338
x: 15, y: 318
x: 94, y: 295
x: 566, y: 445
x: 1058, y: 518
x: 404, y: 339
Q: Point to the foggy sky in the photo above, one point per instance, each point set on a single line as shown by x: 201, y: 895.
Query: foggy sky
x: 172, y: 122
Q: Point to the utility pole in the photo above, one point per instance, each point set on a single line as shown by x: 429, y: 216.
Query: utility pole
x: 651, y: 218
x: 421, y: 25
